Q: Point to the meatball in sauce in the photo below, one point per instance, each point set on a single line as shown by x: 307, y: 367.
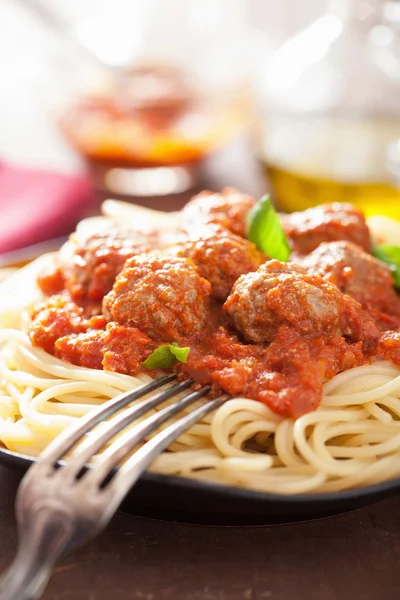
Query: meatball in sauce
x: 227, y: 209
x: 221, y: 257
x: 165, y: 297
x: 279, y: 293
x: 308, y: 229
x: 90, y: 264
x: 358, y: 274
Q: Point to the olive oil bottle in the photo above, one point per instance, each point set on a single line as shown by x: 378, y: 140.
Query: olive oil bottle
x: 318, y: 160
x: 330, y: 100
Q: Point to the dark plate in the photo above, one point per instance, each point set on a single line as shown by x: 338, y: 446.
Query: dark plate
x: 188, y: 501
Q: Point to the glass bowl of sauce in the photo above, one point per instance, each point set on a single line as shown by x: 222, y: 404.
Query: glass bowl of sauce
x: 148, y: 130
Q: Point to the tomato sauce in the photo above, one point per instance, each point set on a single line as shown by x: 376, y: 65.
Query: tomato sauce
x: 287, y: 374
x: 276, y: 336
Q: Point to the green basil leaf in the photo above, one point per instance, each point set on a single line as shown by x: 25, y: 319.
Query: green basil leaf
x: 265, y: 230
x: 391, y: 256
x: 180, y: 354
x: 165, y: 356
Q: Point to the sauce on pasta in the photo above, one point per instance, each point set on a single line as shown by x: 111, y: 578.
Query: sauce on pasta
x: 258, y: 328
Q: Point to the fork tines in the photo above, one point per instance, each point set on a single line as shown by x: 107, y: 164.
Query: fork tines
x: 64, y: 442
x: 108, y: 468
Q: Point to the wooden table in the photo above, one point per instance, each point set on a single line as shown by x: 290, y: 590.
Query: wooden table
x: 355, y: 556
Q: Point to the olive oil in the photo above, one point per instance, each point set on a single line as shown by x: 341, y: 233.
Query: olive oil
x: 314, y: 161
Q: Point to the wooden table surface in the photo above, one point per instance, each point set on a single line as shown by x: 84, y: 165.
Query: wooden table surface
x: 354, y: 556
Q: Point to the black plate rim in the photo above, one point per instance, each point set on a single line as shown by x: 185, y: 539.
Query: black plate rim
x: 375, y: 491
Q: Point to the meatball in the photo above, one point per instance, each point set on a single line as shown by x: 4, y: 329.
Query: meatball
x: 91, y: 264
x: 227, y: 209
x: 162, y: 296
x: 281, y: 293
x: 355, y: 273
x: 221, y: 257
x: 306, y: 230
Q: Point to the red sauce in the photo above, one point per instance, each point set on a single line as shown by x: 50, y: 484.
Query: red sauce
x: 282, y: 332
x: 287, y: 374
x: 52, y: 282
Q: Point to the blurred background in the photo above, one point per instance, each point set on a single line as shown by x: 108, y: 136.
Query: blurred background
x: 150, y: 101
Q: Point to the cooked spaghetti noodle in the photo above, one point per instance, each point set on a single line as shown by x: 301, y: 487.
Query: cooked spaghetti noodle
x: 352, y: 439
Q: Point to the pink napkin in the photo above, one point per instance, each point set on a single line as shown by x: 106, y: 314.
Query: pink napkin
x: 36, y: 205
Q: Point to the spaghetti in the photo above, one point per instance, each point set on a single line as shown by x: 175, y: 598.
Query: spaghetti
x: 352, y: 439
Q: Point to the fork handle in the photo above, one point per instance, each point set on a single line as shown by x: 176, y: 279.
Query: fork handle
x: 39, y: 549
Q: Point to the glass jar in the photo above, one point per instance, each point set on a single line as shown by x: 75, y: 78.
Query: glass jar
x: 147, y: 91
x: 331, y: 110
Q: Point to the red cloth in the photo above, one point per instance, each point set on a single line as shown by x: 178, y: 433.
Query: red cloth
x: 36, y: 205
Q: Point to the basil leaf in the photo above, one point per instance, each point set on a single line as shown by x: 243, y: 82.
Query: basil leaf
x: 265, y: 230
x: 165, y: 356
x: 391, y: 256
x: 180, y: 354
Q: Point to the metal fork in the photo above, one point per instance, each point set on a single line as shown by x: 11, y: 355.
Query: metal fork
x: 62, y: 503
